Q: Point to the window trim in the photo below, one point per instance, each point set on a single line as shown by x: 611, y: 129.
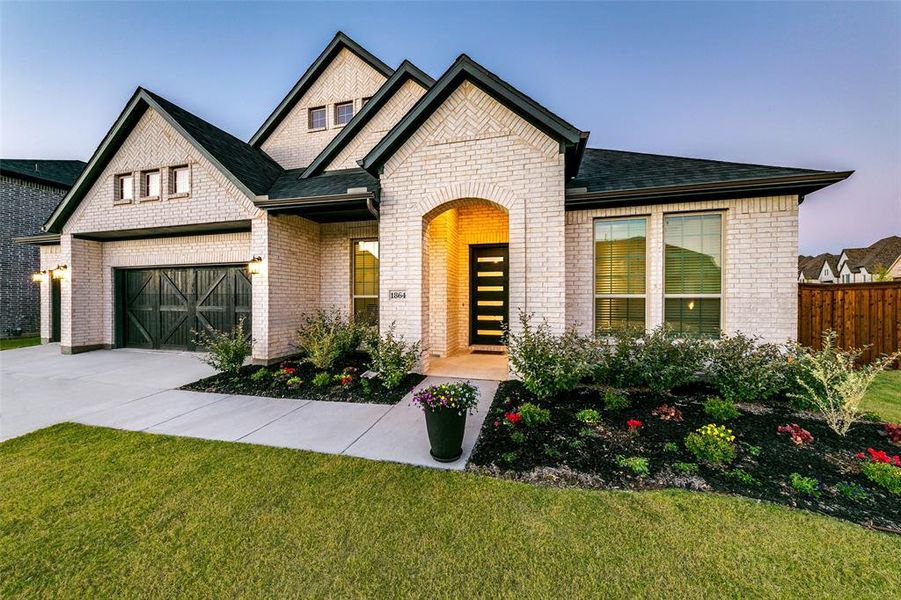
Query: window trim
x: 721, y: 296
x: 310, y: 112
x: 353, y: 271
x: 171, y: 179
x: 335, y: 112
x: 118, y: 198
x: 145, y: 188
x: 594, y: 262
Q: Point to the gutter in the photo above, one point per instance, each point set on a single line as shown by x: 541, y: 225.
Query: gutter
x: 41, y: 239
x: 316, y: 201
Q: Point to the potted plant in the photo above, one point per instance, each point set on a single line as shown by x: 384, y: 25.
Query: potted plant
x: 445, y: 407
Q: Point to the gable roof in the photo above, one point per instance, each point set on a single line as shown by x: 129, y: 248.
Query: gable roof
x: 881, y: 253
x: 406, y: 71
x: 339, y: 42
x: 331, y: 183
x: 250, y: 169
x: 813, y: 265
x: 571, y: 139
x: 55, y: 173
x: 609, y: 177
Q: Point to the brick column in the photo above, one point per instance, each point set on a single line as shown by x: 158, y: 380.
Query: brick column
x: 81, y: 321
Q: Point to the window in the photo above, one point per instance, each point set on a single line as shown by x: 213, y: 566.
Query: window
x: 366, y: 281
x: 317, y: 118
x: 125, y: 188
x: 150, y: 184
x: 619, y: 274
x: 693, y: 273
x: 179, y: 181
x: 344, y: 112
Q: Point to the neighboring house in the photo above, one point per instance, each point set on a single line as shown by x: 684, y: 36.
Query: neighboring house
x: 443, y: 208
x: 853, y: 265
x: 29, y: 191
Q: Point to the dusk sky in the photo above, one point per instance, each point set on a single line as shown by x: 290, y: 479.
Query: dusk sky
x: 802, y: 85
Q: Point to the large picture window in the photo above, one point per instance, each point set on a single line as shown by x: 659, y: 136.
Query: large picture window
x: 366, y: 281
x: 619, y: 274
x: 693, y: 273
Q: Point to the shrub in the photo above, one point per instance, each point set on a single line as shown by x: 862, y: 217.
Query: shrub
x: 686, y: 468
x: 612, y: 357
x: 833, y: 385
x: 261, y: 374
x: 517, y: 437
x: 742, y: 476
x: 294, y: 382
x: 547, y: 364
x: 460, y: 396
x: 851, y: 491
x: 326, y: 336
x: 892, y: 431
x: 322, y: 379
x: 805, y: 485
x: 533, y: 415
x: 391, y: 358
x: 667, y: 413
x: 753, y: 450
x: 665, y: 360
x: 798, y: 434
x: 712, y: 444
x: 589, y: 416
x: 551, y: 452
x: 637, y: 464
x: 884, y: 475
x: 743, y: 370
x: 509, y: 457
x: 615, y: 401
x: 720, y: 409
x: 671, y: 448
x: 225, y: 351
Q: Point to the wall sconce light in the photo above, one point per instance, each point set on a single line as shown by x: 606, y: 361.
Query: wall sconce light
x: 255, y: 266
x: 59, y: 272
x: 40, y: 276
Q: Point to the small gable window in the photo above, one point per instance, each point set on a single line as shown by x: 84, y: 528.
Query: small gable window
x: 179, y: 181
x: 150, y: 184
x: 317, y: 118
x: 125, y: 188
x: 344, y: 112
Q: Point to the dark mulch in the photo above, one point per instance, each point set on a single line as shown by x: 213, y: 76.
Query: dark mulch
x: 567, y: 452
x: 276, y: 386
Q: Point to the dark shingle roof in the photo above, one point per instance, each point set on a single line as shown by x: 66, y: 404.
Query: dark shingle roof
x: 58, y: 173
x: 253, y: 167
x: 811, y: 266
x: 330, y: 183
x: 610, y: 170
x: 883, y: 253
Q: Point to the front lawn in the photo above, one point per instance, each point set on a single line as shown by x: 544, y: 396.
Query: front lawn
x: 19, y: 342
x: 97, y: 512
x: 884, y: 396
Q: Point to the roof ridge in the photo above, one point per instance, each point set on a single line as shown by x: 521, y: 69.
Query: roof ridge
x: 711, y: 160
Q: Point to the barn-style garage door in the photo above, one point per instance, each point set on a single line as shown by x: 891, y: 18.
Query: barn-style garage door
x: 161, y: 308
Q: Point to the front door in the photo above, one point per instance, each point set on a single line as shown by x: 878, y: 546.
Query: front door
x: 489, y: 271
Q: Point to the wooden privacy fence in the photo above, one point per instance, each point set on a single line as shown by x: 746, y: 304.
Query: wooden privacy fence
x: 863, y: 314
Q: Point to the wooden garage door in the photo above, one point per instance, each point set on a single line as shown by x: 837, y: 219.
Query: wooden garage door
x: 161, y: 308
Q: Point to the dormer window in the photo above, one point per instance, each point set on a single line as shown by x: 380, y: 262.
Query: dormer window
x: 150, y: 184
x: 344, y: 112
x: 317, y: 118
x: 125, y: 188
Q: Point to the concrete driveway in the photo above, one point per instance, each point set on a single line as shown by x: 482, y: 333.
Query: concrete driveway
x: 133, y: 389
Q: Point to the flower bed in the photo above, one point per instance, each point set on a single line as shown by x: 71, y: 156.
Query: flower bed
x: 298, y: 379
x: 767, y: 451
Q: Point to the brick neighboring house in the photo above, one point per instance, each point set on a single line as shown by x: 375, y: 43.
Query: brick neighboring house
x: 29, y: 191
x: 853, y: 265
x: 444, y: 206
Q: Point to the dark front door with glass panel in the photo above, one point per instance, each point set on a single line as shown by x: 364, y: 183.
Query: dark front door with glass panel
x: 489, y: 271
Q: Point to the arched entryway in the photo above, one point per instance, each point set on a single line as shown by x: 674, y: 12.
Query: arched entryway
x: 466, y: 285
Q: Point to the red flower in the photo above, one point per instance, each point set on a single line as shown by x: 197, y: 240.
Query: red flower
x: 346, y: 378
x: 859, y: 455
x: 513, y: 417
x: 634, y: 424
x: 288, y: 370
x: 882, y: 457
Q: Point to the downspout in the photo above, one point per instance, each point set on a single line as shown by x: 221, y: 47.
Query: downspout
x: 370, y: 206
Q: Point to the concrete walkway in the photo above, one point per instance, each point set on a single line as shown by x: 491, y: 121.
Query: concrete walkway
x: 121, y: 389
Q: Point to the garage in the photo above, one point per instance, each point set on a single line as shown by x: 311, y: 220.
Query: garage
x: 161, y: 308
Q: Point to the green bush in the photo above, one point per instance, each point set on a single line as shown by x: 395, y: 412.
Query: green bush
x: 851, y: 491
x: 686, y: 468
x: 226, y: 351
x: 712, y: 444
x: 547, y: 364
x: 884, y: 475
x: 805, y: 485
x: 533, y: 415
x: 322, y: 379
x: 261, y: 374
x: 671, y: 448
x: 742, y: 476
x: 612, y: 357
x: 615, y: 401
x: 517, y: 436
x: 637, y: 464
x: 742, y: 369
x: 720, y: 409
x: 326, y: 336
x: 392, y: 358
x: 589, y: 416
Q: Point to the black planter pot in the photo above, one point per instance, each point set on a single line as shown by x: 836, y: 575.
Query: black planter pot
x: 445, y: 429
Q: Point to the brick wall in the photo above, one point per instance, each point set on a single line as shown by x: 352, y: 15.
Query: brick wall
x: 760, y: 235
x: 50, y: 257
x: 24, y: 206
x: 335, y: 275
x: 347, y: 78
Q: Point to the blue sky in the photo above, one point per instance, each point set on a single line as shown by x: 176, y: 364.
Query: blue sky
x: 805, y: 85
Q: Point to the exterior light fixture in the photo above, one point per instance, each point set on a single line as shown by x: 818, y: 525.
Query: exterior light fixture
x: 39, y: 277
x: 59, y: 272
x: 255, y: 266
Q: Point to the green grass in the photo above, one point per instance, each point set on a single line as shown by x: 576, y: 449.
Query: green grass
x: 97, y: 512
x: 20, y: 342
x: 884, y: 396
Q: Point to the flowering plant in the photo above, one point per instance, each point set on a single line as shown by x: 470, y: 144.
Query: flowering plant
x: 634, y: 425
x: 712, y: 443
x: 880, y: 456
x: 893, y: 432
x: 287, y: 371
x: 512, y: 417
x: 344, y: 378
x: 460, y: 397
x: 798, y: 434
x: 667, y: 413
